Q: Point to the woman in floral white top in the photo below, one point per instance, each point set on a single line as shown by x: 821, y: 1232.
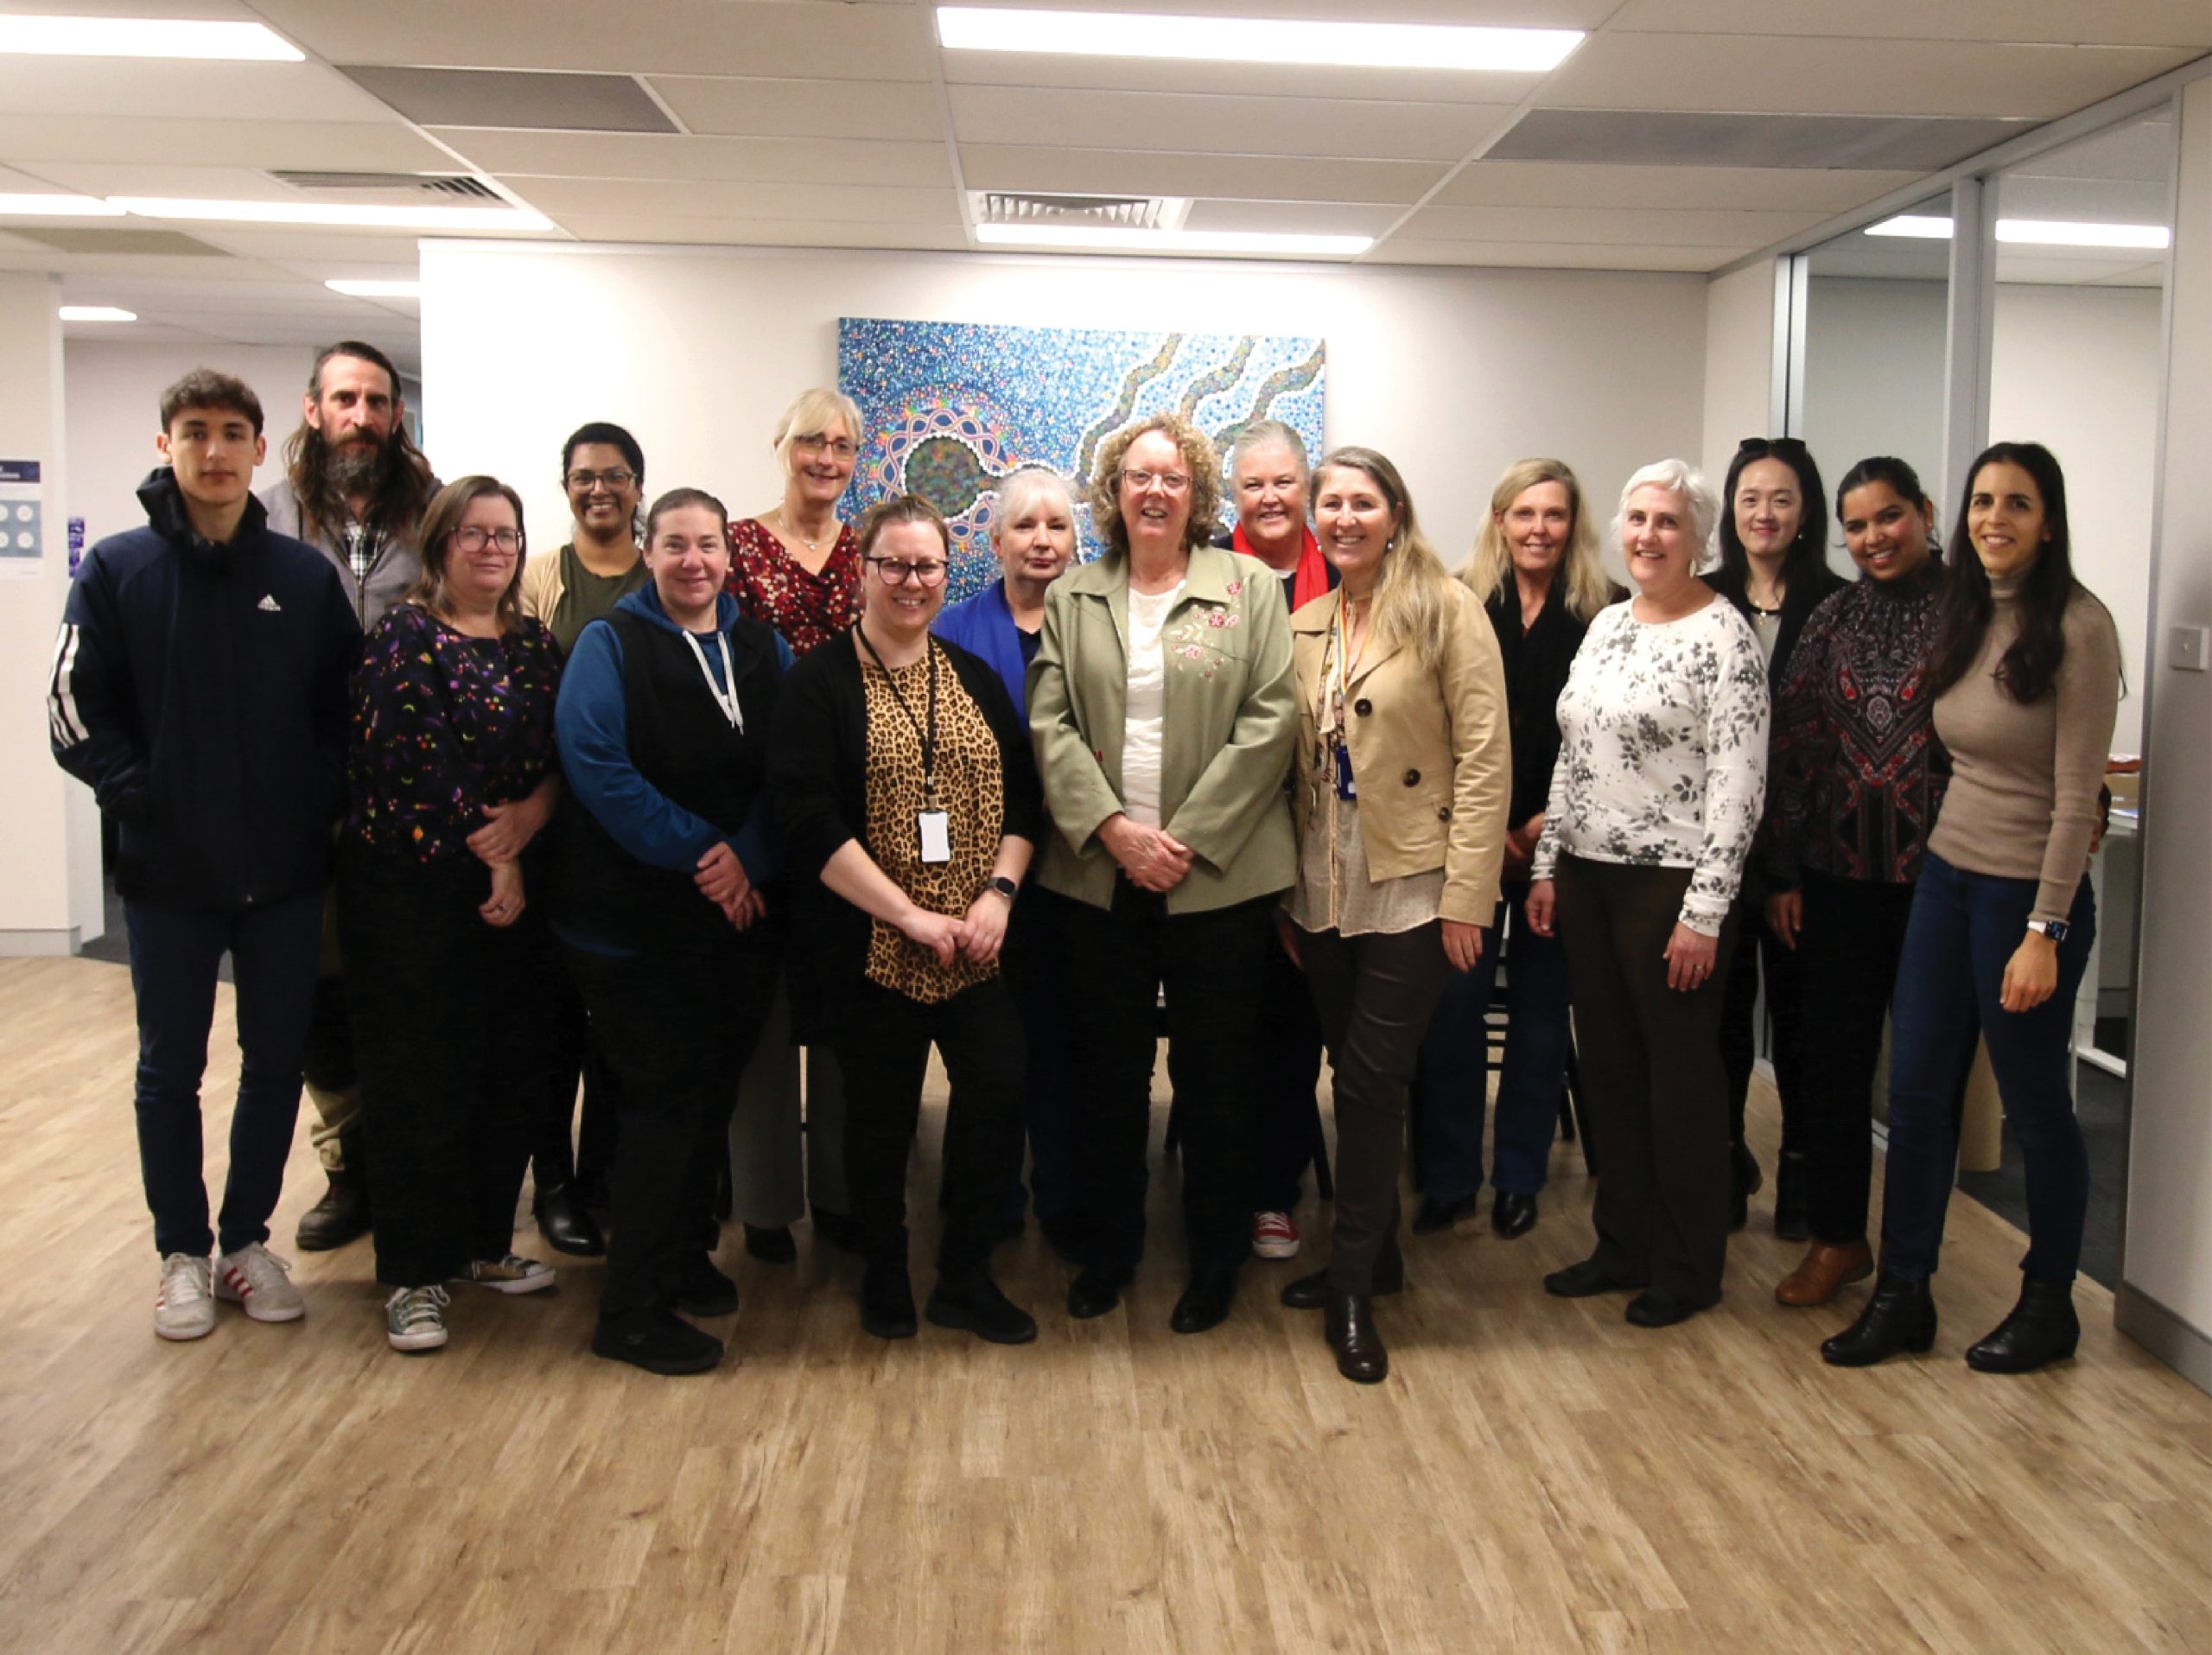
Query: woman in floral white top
x: 1661, y: 773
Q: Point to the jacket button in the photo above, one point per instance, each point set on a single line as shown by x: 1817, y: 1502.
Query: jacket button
x: 1413, y: 778
x: 1363, y: 706
x: 1444, y: 812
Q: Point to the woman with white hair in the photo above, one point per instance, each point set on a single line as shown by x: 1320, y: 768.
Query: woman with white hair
x: 1655, y: 799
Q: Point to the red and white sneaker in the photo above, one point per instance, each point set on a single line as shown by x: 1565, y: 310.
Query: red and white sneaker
x: 256, y: 1279
x: 183, y: 1308
x: 1274, y: 1235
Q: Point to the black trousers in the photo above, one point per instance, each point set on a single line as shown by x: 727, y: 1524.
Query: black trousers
x: 677, y: 1026
x: 1211, y: 966
x: 1375, y: 995
x: 449, y: 1022
x: 1854, y: 932
x: 883, y: 1041
x: 1287, y: 1110
x: 1759, y: 950
x: 588, y: 1159
x: 1651, y: 1074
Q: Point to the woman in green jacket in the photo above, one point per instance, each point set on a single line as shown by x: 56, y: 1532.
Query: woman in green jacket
x: 1161, y: 704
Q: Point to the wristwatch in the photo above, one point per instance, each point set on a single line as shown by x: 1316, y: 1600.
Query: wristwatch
x: 1004, y: 887
x: 2054, y: 929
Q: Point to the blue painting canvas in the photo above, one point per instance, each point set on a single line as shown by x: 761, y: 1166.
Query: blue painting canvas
x: 952, y: 407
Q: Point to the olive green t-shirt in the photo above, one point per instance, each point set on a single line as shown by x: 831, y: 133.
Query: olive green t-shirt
x: 586, y: 596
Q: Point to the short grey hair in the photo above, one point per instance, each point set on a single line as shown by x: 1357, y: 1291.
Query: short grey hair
x: 1686, y: 484
x: 1258, y: 435
x: 1023, y: 487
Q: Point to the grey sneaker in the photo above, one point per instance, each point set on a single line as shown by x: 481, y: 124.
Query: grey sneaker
x: 415, y: 1318
x: 510, y: 1274
x: 261, y: 1281
x: 185, y: 1308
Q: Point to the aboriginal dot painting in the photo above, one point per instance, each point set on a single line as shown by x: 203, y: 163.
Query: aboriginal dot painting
x: 952, y: 407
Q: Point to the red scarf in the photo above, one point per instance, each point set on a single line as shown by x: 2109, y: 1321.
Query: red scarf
x: 1311, y: 580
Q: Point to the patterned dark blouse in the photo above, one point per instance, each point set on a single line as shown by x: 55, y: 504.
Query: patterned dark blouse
x: 770, y: 585
x: 1855, y: 773
x: 443, y: 725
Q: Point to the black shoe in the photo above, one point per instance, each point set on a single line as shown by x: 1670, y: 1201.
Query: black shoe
x: 1094, y: 1290
x: 1744, y: 1180
x: 1433, y: 1215
x: 888, y: 1302
x: 657, y: 1341
x: 1585, y: 1281
x: 2041, y: 1329
x: 982, y: 1310
x: 1512, y: 1214
x: 594, y: 1194
x: 702, y: 1290
x: 1349, y: 1326
x: 1657, y: 1308
x: 1793, y: 1199
x: 1207, y: 1301
x: 1311, y: 1292
x: 1900, y: 1316
x: 771, y: 1246
x: 567, y: 1227
x: 342, y: 1214
x: 840, y: 1230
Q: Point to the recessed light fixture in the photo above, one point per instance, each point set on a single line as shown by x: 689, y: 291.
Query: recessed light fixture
x: 344, y: 216
x: 1257, y: 40
x: 2037, y: 232
x: 96, y: 313
x: 163, y: 37
x: 376, y: 290
x: 57, y: 206
x: 1108, y: 239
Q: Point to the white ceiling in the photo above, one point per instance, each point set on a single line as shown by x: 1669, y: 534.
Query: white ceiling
x: 840, y: 123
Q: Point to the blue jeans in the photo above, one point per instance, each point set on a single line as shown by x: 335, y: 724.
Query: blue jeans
x: 175, y: 953
x: 1454, y: 1060
x: 1964, y: 927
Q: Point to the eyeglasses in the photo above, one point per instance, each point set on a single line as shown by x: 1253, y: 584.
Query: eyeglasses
x: 617, y: 480
x: 1174, y: 481
x: 473, y: 538
x: 896, y: 571
x: 818, y: 443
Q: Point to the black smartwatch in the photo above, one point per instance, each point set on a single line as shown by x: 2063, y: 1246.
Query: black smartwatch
x: 1004, y: 887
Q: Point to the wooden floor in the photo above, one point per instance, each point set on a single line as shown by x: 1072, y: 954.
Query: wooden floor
x: 1536, y: 1475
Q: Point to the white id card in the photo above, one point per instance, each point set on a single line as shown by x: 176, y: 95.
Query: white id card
x: 937, y: 836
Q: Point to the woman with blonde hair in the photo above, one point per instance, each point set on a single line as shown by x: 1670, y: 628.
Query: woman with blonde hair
x: 1400, y: 791
x: 1536, y: 573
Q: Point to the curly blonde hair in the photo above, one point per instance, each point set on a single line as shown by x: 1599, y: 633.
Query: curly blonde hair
x: 1200, y: 458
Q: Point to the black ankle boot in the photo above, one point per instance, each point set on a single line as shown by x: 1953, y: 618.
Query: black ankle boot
x: 1899, y: 1316
x: 1311, y: 1292
x: 2041, y: 1329
x: 342, y: 1214
x: 565, y: 1223
x: 887, y: 1299
x: 1793, y: 1199
x: 1744, y: 1180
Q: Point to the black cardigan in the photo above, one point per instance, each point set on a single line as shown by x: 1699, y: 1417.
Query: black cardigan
x: 817, y: 771
x: 1536, y: 663
x: 1797, y: 604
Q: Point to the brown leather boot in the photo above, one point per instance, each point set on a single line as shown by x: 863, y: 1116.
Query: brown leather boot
x: 1826, y: 1270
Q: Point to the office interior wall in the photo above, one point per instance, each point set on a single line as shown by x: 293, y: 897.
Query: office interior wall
x: 1739, y: 324
x: 1452, y: 373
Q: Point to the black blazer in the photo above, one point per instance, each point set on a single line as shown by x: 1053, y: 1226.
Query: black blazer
x: 1537, y: 663
x: 1803, y: 597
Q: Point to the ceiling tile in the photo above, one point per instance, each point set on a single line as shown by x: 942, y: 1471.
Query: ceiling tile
x: 141, y: 87
x: 513, y: 98
x: 760, y: 232
x: 361, y: 144
x: 2135, y: 23
x: 1304, y: 82
x: 1536, y: 255
x: 120, y: 239
x: 826, y: 160
x: 1057, y: 118
x: 773, y: 109
x: 1541, y: 184
x: 1299, y: 218
x: 1110, y: 172
x: 1625, y: 227
x: 562, y: 198
x: 1651, y: 137
x: 190, y: 183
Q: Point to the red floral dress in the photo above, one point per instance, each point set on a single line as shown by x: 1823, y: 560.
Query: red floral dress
x: 771, y: 585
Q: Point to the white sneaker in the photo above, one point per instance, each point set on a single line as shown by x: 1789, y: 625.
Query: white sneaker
x: 1274, y: 1235
x: 184, y: 1308
x: 415, y: 1318
x: 258, y: 1279
x: 510, y: 1274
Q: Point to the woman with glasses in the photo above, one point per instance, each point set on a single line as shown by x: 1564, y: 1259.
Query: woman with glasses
x: 603, y: 473
x: 445, y: 947
x: 660, y: 863
x: 904, y: 785
x: 1774, y: 570
x: 1164, y: 716
x: 796, y: 567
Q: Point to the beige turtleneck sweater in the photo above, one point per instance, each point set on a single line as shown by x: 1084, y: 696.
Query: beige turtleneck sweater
x: 2022, y: 797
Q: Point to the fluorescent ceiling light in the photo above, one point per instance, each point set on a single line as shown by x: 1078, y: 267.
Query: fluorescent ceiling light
x: 57, y: 206
x: 372, y: 289
x: 1112, y: 239
x: 2038, y: 232
x: 96, y: 313
x: 1257, y: 40
x: 349, y: 216
x: 165, y: 37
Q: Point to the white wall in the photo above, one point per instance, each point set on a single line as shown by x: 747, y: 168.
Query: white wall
x: 112, y: 398
x: 1453, y: 374
x: 2076, y: 369
x: 1738, y: 364
x: 2166, y: 1266
x: 1874, y: 382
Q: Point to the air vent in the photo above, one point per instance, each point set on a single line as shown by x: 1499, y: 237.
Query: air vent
x: 454, y: 184
x: 1118, y: 211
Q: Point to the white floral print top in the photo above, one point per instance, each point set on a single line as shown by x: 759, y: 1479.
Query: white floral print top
x: 1663, y: 752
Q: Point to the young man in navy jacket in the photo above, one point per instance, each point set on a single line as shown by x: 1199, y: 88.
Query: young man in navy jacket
x: 200, y: 687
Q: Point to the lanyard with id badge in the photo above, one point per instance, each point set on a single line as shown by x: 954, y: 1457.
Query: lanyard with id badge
x: 1333, y: 730
x: 932, y: 824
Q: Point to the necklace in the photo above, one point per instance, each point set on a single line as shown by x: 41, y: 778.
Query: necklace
x: 783, y: 518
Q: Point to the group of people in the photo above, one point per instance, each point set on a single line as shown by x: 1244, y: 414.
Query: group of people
x: 735, y: 821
